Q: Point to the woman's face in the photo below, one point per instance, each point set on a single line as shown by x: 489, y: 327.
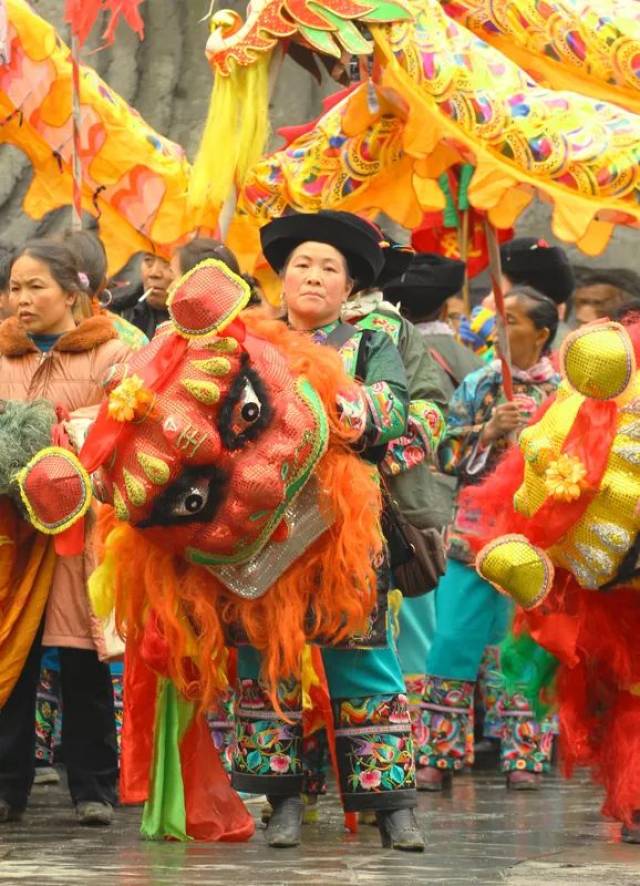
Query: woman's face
x: 455, y: 311
x: 40, y: 304
x: 526, y: 342
x: 315, y: 285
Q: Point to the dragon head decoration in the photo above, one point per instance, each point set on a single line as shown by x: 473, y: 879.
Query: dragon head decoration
x: 575, y: 479
x: 221, y: 448
x: 328, y: 30
x: 229, y: 438
x: 242, y: 55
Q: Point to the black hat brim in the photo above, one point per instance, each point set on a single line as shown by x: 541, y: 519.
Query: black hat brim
x: 361, y: 251
x: 424, y: 287
x: 545, y: 268
x: 396, y: 262
x: 418, y: 299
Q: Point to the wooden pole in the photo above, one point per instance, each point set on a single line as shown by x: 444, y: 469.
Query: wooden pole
x: 463, y: 234
x: 76, y: 166
x: 502, y: 339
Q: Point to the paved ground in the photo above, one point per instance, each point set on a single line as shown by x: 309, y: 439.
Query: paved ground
x: 478, y: 833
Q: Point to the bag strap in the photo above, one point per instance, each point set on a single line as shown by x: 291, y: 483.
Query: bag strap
x: 442, y: 363
x: 341, y: 335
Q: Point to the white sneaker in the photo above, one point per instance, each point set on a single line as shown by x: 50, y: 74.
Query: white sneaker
x: 251, y: 799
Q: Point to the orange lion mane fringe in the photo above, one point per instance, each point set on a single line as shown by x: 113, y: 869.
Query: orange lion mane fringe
x: 329, y: 592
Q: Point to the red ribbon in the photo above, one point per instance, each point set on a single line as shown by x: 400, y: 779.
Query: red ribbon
x: 106, y: 431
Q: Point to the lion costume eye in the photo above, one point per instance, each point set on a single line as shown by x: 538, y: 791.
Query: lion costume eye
x: 192, y: 500
x: 193, y: 497
x: 245, y: 412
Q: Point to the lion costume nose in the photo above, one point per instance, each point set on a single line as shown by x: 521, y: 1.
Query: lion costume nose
x: 517, y: 568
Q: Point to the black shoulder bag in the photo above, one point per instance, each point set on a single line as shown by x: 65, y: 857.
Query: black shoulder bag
x: 401, y: 551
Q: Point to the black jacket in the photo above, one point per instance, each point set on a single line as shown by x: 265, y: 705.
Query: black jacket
x: 128, y: 305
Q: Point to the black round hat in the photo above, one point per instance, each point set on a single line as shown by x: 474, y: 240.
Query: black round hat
x: 427, y: 283
x: 532, y: 262
x: 397, y: 259
x: 351, y: 235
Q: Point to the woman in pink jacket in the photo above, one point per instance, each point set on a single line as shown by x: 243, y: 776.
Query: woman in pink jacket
x: 44, y: 354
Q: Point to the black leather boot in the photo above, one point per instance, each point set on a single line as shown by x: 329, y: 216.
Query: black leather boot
x: 399, y: 830
x: 285, y: 825
x: 631, y: 833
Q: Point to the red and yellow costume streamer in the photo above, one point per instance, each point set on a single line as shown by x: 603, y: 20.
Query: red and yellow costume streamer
x: 27, y: 561
x: 566, y: 550
x: 133, y: 179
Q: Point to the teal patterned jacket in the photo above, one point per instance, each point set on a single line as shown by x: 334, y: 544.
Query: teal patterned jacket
x: 461, y: 452
x: 384, y: 387
x: 426, y: 423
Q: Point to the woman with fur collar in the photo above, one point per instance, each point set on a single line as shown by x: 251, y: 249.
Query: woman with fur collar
x: 46, y: 355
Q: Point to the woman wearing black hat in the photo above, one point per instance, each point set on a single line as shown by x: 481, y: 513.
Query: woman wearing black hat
x: 470, y: 614
x: 527, y: 261
x: 319, y: 257
x: 420, y: 290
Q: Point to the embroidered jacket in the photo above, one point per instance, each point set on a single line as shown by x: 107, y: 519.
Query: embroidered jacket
x: 426, y: 424
x: 409, y: 459
x: 461, y: 452
x: 384, y: 386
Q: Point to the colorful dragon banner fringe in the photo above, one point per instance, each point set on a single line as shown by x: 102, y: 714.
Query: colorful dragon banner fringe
x: 438, y: 96
x: 134, y: 179
x: 540, y: 98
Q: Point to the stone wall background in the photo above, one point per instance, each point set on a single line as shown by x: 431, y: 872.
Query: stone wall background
x: 167, y: 78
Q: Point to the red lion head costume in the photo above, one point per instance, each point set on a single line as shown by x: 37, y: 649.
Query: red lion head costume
x: 237, y: 501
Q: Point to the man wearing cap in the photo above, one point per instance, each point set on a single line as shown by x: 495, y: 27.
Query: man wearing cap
x: 421, y: 293
x: 604, y: 292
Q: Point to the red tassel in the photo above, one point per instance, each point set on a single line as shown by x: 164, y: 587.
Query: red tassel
x: 71, y: 542
x: 82, y: 15
x: 493, y: 498
x: 596, y: 636
x: 322, y: 714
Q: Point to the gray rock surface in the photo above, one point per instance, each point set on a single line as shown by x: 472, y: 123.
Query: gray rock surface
x: 166, y: 78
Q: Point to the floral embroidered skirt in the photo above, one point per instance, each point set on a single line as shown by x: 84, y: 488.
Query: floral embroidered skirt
x: 471, y: 615
x: 372, y: 725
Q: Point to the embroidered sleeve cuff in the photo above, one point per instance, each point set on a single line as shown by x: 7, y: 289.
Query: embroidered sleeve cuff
x: 387, y: 415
